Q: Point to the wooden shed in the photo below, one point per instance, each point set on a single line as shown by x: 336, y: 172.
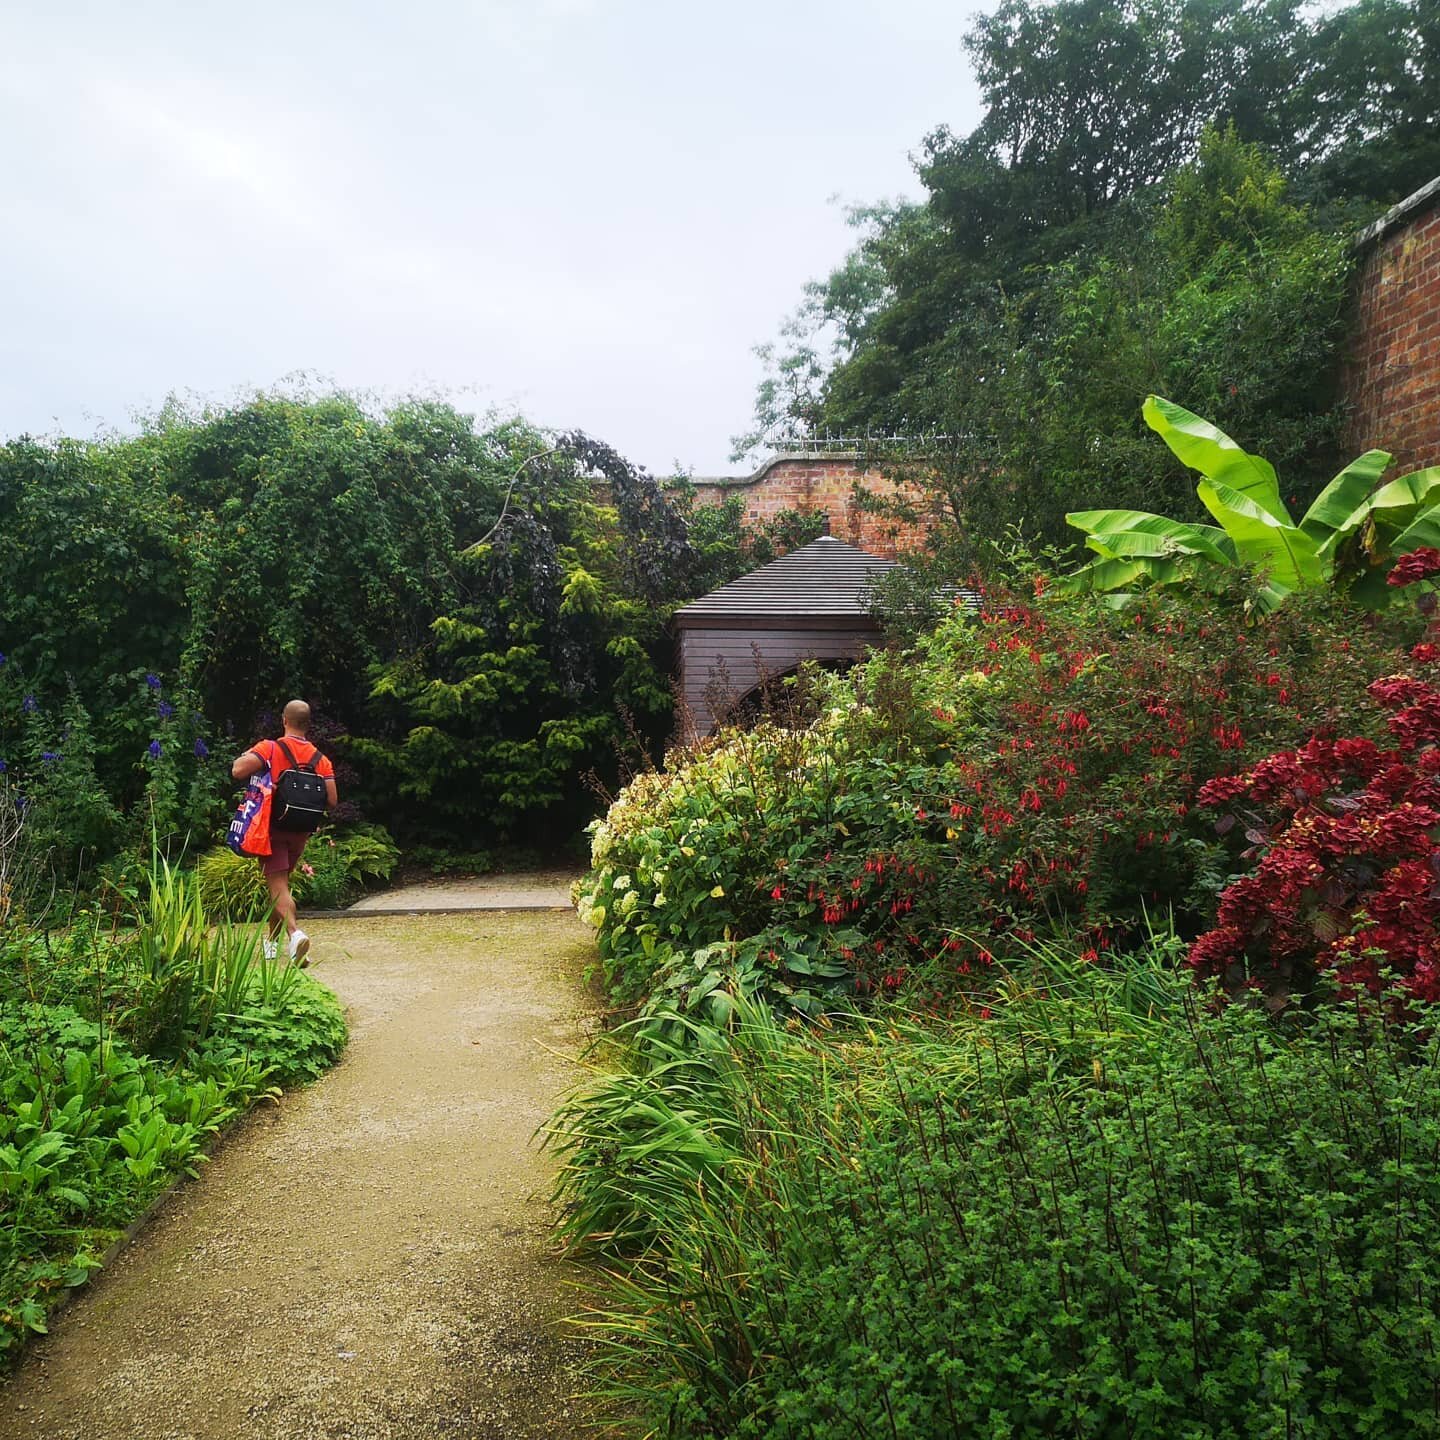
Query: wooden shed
x: 812, y: 604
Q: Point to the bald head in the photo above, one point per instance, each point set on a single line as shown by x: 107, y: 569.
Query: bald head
x: 297, y: 717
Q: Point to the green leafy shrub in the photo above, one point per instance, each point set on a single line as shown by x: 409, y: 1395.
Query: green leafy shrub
x: 89, y: 1132
x: 294, y: 1030
x: 336, y: 866
x: 1031, y: 768
x: 122, y: 1053
x: 1099, y: 1208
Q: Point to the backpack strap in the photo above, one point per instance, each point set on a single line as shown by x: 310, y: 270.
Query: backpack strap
x: 294, y: 763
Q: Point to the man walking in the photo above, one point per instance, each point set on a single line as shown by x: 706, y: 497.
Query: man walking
x: 286, y: 846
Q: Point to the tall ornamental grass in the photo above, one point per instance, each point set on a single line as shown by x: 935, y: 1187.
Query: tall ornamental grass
x: 1097, y: 1206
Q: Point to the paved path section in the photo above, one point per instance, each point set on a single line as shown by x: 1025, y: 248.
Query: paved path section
x: 371, y: 1258
x: 533, y: 890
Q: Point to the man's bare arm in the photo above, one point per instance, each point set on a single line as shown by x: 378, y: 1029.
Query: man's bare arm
x: 247, y: 765
x: 332, y: 797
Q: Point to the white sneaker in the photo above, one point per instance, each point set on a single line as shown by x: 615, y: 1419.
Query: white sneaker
x: 299, y: 948
x: 270, y: 949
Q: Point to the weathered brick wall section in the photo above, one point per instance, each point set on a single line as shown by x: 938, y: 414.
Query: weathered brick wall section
x: 822, y: 484
x: 1392, y: 378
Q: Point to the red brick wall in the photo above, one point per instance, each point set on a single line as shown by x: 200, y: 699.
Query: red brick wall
x: 1392, y: 378
x: 826, y: 484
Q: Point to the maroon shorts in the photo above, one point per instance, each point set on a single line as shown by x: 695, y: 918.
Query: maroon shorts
x: 285, y: 848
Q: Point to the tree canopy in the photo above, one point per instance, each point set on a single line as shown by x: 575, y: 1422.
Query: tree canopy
x: 1158, y: 198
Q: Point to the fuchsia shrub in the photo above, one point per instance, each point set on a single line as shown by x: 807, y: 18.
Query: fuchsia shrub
x: 1348, y: 832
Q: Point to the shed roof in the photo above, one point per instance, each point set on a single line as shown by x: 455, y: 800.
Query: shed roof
x: 826, y: 579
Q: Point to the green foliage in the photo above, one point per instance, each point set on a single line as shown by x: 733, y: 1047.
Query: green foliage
x: 230, y: 885
x: 1030, y: 767
x: 1158, y: 199
x: 476, y: 606
x: 292, y: 1028
x: 1352, y: 533
x: 337, y: 866
x: 89, y: 1133
x: 122, y: 1054
x: 1098, y: 1207
x: 524, y: 686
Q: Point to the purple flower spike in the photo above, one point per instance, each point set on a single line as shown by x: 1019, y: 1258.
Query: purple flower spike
x: 202, y: 750
x: 152, y: 680
x: 165, y: 709
x: 49, y: 757
x: 155, y: 749
x: 29, y: 704
x: 3, y: 767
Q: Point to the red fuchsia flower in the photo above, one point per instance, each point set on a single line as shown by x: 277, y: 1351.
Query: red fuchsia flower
x: 1425, y: 651
x: 1418, y: 565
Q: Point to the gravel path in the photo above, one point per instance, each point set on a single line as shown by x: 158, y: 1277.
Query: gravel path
x: 370, y: 1258
x: 529, y: 890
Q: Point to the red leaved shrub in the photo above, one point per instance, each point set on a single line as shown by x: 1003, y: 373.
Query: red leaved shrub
x: 1348, y: 834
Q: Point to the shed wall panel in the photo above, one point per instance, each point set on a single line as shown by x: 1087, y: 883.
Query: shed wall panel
x: 723, y: 666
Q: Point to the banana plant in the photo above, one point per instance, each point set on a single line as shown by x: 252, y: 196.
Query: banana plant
x: 1350, y: 535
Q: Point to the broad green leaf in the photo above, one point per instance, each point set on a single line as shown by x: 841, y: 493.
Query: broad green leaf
x: 1112, y: 574
x: 1399, y: 504
x: 1129, y: 543
x: 1287, y: 555
x: 1422, y: 531
x: 1204, y: 540
x: 1203, y: 447
x: 1271, y: 596
x: 1343, y: 503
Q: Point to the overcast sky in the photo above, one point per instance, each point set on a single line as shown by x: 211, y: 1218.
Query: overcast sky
x: 586, y: 210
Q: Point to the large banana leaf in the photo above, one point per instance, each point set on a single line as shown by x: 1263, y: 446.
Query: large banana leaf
x: 1287, y: 555
x: 1422, y: 531
x: 1114, y: 573
x: 1345, y: 501
x: 1404, y: 500
x: 1173, y: 535
x: 1131, y: 543
x: 1203, y: 447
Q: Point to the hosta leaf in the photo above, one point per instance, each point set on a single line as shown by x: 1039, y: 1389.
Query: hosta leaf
x: 1208, y: 449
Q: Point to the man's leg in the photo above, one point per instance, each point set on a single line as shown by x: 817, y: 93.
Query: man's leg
x: 282, y: 903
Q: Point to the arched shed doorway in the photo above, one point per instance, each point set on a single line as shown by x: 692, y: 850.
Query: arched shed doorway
x: 812, y: 604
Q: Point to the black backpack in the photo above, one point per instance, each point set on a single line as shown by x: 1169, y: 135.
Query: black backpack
x: 300, y: 795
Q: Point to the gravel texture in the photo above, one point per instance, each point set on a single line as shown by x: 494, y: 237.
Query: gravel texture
x: 369, y: 1258
x: 532, y: 890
